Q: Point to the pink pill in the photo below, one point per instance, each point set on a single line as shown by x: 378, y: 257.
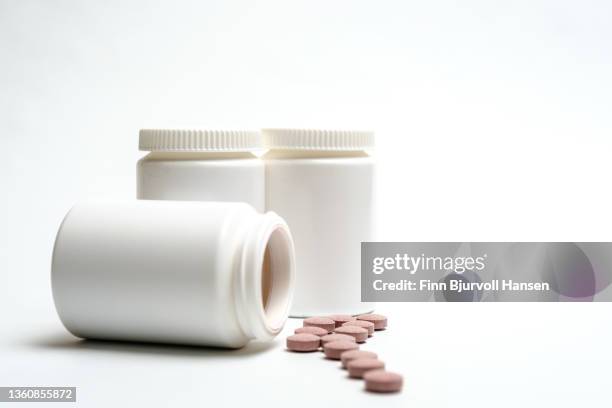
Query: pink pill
x: 359, y: 333
x: 358, y: 367
x: 383, y: 381
x: 322, y: 322
x: 317, y: 331
x: 369, y: 326
x: 336, y: 337
x: 380, y: 321
x: 303, y: 342
x: 355, y: 354
x: 335, y: 349
x: 340, y: 319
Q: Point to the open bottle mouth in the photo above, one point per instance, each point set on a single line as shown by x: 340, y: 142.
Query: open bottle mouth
x: 276, y: 279
x: 266, y: 278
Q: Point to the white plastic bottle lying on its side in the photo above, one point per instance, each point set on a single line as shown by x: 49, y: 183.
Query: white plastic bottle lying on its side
x: 212, y: 274
x: 321, y: 183
x: 201, y: 165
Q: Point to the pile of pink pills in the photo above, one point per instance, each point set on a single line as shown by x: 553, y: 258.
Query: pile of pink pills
x: 340, y: 336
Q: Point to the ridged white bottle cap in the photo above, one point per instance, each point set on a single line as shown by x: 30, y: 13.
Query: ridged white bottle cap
x: 184, y: 140
x: 315, y: 139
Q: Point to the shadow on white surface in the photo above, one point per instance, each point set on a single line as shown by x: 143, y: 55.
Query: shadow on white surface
x: 70, y: 343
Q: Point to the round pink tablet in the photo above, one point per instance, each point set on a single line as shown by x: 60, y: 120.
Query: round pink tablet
x: 322, y: 322
x: 359, y: 333
x: 380, y: 321
x: 340, y: 319
x: 382, y: 381
x: 355, y: 354
x: 335, y: 349
x: 358, y: 367
x: 369, y: 326
x: 303, y: 342
x: 317, y: 331
x: 336, y: 337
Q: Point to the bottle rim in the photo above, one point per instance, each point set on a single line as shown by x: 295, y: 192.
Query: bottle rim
x: 267, y: 257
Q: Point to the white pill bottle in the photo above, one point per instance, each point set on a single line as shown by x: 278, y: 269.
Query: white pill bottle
x: 201, y: 165
x: 197, y: 273
x: 322, y: 183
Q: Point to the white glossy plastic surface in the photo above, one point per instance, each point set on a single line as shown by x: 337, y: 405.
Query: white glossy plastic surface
x: 202, y: 176
x: 216, y: 274
x: 327, y: 200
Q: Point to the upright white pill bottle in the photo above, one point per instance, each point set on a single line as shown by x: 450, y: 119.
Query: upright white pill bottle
x: 201, y: 165
x: 321, y: 182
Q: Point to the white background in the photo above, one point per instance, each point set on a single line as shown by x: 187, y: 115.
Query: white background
x: 493, y: 123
